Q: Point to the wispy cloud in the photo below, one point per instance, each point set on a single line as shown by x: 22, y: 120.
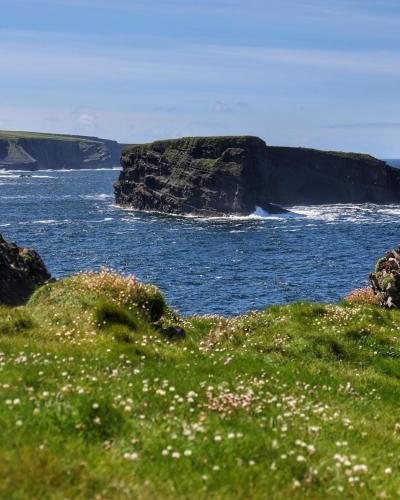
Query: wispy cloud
x: 59, y: 58
x: 366, y: 125
x: 358, y: 11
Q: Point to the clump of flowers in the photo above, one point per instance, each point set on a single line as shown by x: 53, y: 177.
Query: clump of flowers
x: 228, y: 401
x: 125, y: 291
x: 363, y: 296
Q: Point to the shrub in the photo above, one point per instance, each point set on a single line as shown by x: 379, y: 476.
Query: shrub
x: 87, y: 288
x: 363, y: 296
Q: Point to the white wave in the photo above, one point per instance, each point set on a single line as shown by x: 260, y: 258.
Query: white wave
x: 8, y: 176
x: 48, y: 221
x: 199, y: 217
x: 14, y: 197
x: 43, y: 177
x: 101, y: 196
x: 62, y: 170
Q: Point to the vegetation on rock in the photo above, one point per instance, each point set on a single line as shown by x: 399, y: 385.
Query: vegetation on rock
x: 385, y: 280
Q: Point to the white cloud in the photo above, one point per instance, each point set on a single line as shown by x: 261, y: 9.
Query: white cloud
x: 222, y: 107
x: 86, y: 120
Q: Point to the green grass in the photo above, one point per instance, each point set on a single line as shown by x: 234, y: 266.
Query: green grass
x: 298, y: 401
x: 7, y: 134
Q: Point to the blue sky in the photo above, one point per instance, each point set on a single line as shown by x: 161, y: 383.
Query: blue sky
x: 312, y: 73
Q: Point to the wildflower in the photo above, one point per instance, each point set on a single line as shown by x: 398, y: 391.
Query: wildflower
x: 360, y: 468
x: 187, y: 453
x: 131, y: 456
x: 176, y: 454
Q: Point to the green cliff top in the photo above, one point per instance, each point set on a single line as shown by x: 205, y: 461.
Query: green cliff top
x: 15, y: 135
x: 192, y: 142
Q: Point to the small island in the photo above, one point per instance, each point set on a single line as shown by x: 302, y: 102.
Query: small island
x: 214, y: 176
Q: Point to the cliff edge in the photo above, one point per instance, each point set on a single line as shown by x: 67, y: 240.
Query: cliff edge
x: 34, y: 151
x: 235, y: 175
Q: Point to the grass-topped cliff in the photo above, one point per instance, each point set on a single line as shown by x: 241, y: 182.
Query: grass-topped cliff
x: 234, y: 175
x: 299, y: 401
x: 20, y: 150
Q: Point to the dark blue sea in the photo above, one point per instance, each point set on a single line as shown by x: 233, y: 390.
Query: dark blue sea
x: 226, y: 265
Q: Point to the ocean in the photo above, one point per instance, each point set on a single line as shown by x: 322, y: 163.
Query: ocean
x: 225, y: 266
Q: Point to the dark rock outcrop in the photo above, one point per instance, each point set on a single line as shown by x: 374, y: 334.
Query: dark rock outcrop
x: 234, y: 175
x: 31, y: 151
x: 385, y: 281
x: 21, y: 272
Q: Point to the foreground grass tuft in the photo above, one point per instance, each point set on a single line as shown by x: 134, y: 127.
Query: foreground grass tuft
x: 296, y: 401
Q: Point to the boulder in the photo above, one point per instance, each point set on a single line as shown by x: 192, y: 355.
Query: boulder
x: 385, y: 280
x: 214, y: 176
x: 21, y: 272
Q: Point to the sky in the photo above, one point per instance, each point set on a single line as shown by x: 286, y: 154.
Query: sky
x: 313, y: 73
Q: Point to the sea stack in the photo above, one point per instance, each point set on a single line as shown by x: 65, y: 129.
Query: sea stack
x: 214, y: 176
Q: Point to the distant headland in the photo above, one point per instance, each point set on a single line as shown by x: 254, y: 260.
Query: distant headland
x: 35, y: 151
x: 215, y: 176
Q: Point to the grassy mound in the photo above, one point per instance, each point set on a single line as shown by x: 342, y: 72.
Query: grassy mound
x: 296, y: 401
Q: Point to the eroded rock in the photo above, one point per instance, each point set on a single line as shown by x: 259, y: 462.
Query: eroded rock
x: 215, y: 176
x: 21, y: 272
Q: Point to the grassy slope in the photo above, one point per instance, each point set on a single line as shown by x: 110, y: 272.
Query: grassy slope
x: 5, y: 134
x: 296, y: 401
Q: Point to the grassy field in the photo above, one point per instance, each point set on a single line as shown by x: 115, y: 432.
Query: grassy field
x: 14, y: 135
x: 298, y: 401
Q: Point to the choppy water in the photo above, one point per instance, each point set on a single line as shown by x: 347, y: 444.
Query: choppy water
x: 225, y: 266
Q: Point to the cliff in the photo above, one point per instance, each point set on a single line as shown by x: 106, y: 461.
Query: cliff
x: 21, y: 272
x: 234, y: 175
x: 32, y: 151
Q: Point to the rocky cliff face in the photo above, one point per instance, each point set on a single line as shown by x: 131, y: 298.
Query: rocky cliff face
x: 21, y: 272
x: 234, y: 175
x: 40, y: 151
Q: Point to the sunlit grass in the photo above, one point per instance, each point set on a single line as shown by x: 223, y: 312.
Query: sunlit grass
x: 6, y: 134
x: 298, y: 401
